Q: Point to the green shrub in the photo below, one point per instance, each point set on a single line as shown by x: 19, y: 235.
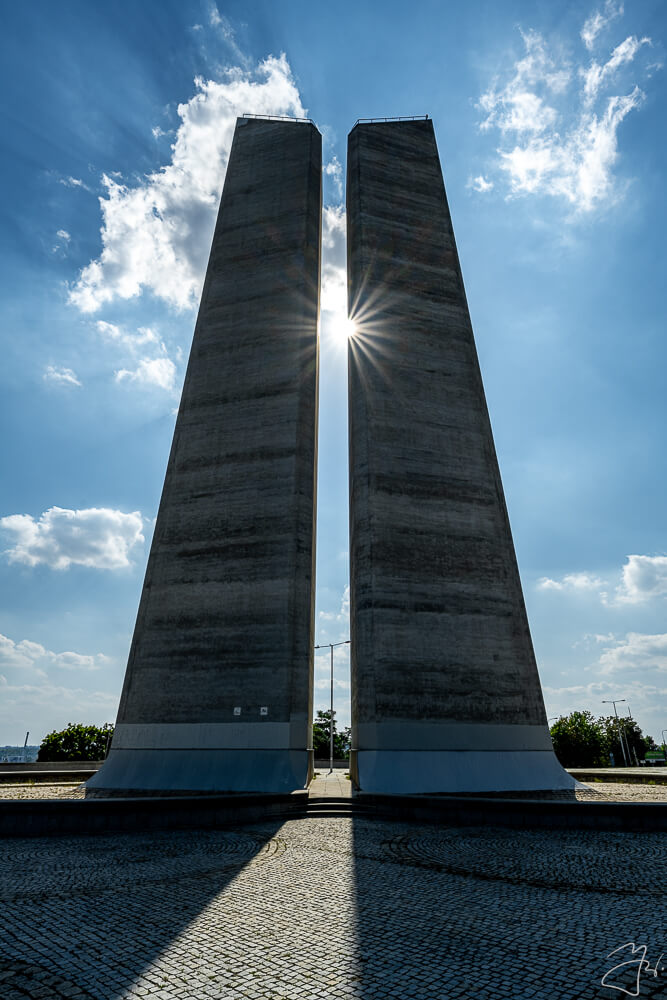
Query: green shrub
x: 77, y: 742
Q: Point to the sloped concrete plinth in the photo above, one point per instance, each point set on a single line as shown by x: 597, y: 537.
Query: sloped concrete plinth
x: 410, y: 772
x: 206, y: 771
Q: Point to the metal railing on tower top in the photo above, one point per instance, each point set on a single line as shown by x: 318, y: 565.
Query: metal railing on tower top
x: 398, y: 118
x: 279, y: 118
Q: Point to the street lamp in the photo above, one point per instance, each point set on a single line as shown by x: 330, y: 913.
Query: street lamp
x: 331, y: 646
x: 618, y: 726
x: 634, y: 752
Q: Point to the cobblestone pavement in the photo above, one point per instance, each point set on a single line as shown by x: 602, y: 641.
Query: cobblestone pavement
x: 332, y: 908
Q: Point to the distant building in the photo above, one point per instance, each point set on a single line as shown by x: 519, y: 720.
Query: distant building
x: 18, y: 755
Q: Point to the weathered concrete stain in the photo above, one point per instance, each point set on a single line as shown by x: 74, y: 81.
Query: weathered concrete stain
x: 442, y: 659
x: 218, y: 688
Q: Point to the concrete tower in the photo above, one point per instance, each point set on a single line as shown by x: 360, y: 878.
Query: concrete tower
x: 445, y: 690
x: 218, y: 688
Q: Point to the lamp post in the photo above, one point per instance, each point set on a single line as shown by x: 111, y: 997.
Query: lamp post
x: 618, y: 726
x: 634, y: 752
x: 331, y: 646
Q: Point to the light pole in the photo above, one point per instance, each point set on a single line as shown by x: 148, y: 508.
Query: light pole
x: 331, y: 646
x: 634, y: 752
x: 664, y: 748
x: 618, y: 726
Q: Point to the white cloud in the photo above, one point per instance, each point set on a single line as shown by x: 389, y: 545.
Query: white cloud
x: 27, y: 655
x: 480, y: 184
x: 117, y: 334
x: 97, y: 537
x: 598, y: 21
x: 61, y: 376
x: 517, y: 107
x: 50, y: 706
x: 341, y: 617
x: 580, y: 582
x: 333, y: 225
x: 156, y: 235
x: 151, y: 371
x: 644, y: 577
x: 64, y: 235
x: 224, y: 28
x: 73, y: 182
x: 552, y: 142
x: 333, y: 294
x: 636, y: 652
x: 595, y: 76
x: 156, y: 370
x: 334, y: 170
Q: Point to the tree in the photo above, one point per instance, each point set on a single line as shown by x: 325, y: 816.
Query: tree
x: 580, y: 740
x: 321, y: 738
x: 635, y: 742
x: 76, y: 742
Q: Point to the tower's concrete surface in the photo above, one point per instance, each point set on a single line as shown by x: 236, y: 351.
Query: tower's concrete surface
x: 445, y: 690
x: 218, y: 688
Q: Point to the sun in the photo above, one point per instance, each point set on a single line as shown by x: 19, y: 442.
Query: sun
x: 343, y: 328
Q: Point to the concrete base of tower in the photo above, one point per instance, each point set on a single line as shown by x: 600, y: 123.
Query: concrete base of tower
x: 205, y: 771
x: 421, y: 772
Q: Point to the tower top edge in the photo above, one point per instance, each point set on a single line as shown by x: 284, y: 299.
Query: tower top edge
x: 242, y: 119
x: 391, y: 121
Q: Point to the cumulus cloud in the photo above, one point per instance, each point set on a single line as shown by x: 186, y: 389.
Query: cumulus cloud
x: 479, y: 184
x: 636, y: 651
x: 118, y: 335
x: 573, y: 582
x: 333, y: 295
x: 159, y: 372
x: 27, y: 655
x: 61, y: 376
x: 63, y: 235
x: 98, y: 537
x: 341, y: 617
x: 644, y: 577
x: 558, y: 124
x: 154, y: 368
x: 156, y: 234
x: 334, y: 170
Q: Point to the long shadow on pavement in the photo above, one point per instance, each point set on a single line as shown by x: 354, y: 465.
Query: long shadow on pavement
x: 473, y: 912
x: 94, y: 913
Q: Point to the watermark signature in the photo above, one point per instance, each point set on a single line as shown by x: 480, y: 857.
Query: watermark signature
x: 630, y: 971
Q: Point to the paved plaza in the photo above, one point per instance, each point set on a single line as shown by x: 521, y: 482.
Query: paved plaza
x: 333, y: 907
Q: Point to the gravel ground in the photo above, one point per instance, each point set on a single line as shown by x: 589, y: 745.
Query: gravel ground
x: 42, y: 790
x: 593, y: 791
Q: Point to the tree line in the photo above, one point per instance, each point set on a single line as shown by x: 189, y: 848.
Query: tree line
x: 82, y: 742
x: 579, y: 740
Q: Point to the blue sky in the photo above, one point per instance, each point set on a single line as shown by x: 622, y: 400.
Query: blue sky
x: 550, y: 119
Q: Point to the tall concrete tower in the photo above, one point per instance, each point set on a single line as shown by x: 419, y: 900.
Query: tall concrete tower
x: 445, y: 690
x: 218, y: 688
